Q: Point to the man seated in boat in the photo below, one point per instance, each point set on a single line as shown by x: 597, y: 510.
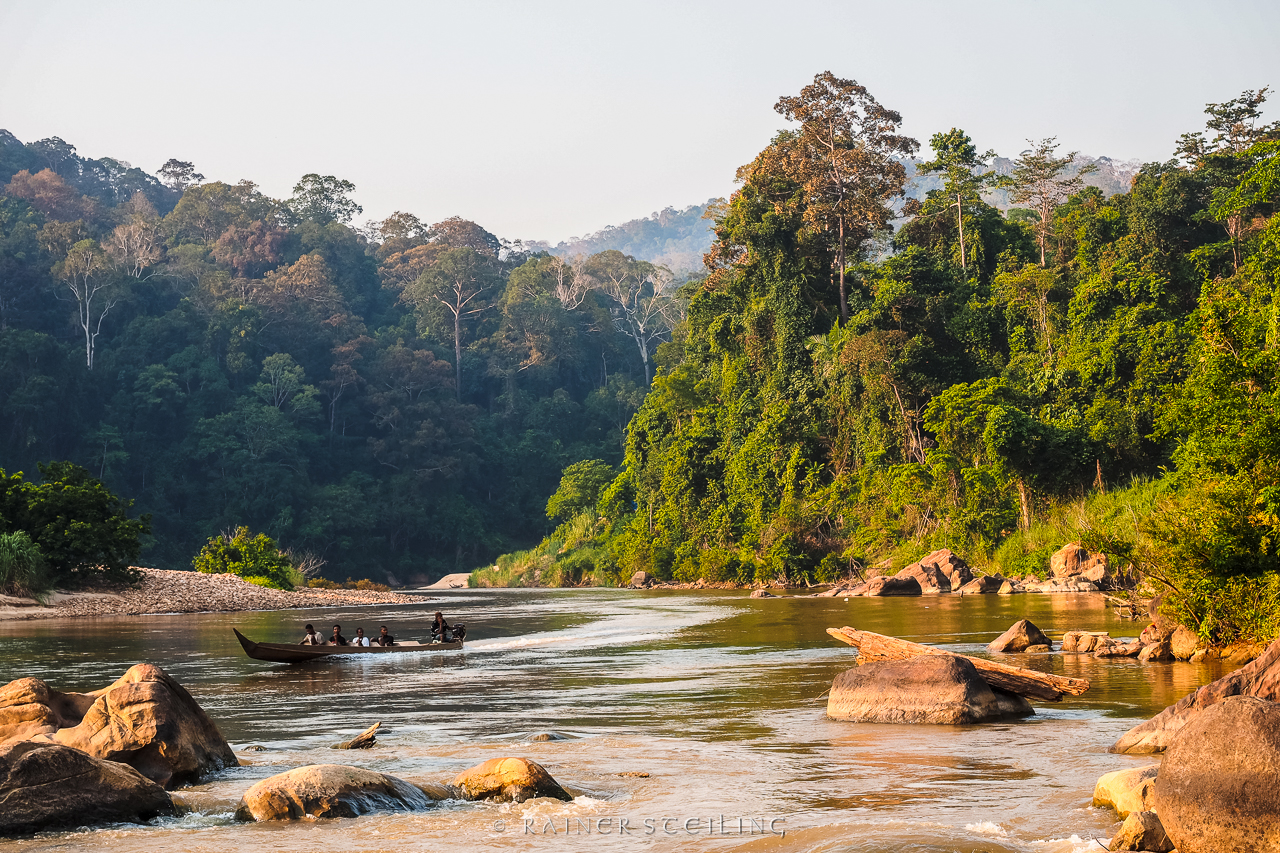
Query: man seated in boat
x: 337, y: 639
x: 360, y: 639
x: 383, y: 638
x: 440, y: 629
x: 312, y: 638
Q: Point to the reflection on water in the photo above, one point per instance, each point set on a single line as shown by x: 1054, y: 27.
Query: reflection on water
x: 718, y: 697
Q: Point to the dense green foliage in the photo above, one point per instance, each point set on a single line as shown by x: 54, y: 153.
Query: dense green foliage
x: 256, y: 558
x: 975, y: 391
x: 81, y: 531
x: 22, y: 567
x: 395, y: 399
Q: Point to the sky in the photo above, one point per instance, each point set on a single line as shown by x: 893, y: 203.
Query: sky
x: 546, y: 120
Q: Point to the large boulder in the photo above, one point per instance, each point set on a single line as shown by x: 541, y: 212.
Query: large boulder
x: 1126, y: 791
x: 1020, y: 636
x: 931, y: 578
x: 892, y: 585
x: 985, y: 585
x: 955, y: 569
x: 509, y: 779
x: 1260, y: 679
x: 1074, y: 561
x: 1183, y: 643
x: 1142, y: 831
x: 329, y: 790
x: 1219, y: 785
x: 44, y: 786
x: 146, y: 720
x: 942, y: 689
x: 641, y: 580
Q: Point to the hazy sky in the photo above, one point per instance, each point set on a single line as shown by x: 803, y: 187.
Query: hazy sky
x: 543, y: 120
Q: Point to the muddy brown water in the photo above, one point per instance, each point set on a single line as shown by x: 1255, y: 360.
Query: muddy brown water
x: 718, y: 697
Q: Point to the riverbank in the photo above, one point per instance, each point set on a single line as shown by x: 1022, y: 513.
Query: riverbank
x: 163, y: 591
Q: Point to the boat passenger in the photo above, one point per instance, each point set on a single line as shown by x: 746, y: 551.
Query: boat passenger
x: 440, y: 628
x: 337, y: 639
x: 383, y: 638
x: 312, y: 638
x: 360, y: 639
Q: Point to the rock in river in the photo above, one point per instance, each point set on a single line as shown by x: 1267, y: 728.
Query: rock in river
x: 329, y: 790
x: 1142, y: 831
x: 892, y: 585
x: 1261, y: 678
x: 44, y: 785
x: 1020, y: 636
x: 985, y: 585
x: 146, y: 720
x: 1126, y: 791
x: 1219, y: 785
x: 927, y: 689
x: 514, y: 779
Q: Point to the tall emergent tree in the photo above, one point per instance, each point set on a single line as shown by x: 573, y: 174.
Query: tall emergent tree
x: 457, y: 283
x: 959, y: 163
x: 846, y: 159
x: 1038, y: 180
x: 643, y: 307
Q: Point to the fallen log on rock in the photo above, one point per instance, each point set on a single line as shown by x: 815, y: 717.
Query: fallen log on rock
x: 1014, y: 679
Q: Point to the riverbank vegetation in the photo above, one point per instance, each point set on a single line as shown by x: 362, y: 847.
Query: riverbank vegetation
x: 998, y: 383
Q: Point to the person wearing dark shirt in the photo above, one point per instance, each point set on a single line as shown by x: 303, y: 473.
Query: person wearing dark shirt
x: 439, y: 628
x: 383, y: 638
x: 337, y: 639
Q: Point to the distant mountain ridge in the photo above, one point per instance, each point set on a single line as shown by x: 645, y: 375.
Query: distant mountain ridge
x: 679, y: 238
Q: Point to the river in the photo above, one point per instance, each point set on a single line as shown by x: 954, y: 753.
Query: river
x: 718, y: 697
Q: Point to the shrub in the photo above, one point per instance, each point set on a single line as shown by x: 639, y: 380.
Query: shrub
x: 255, y: 558
x: 367, y: 585
x: 321, y: 583
x: 23, y: 570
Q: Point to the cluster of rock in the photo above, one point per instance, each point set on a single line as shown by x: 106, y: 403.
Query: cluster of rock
x: 1217, y: 787
x: 1073, y: 569
x: 1162, y: 640
x: 164, y: 591
x: 113, y: 755
x: 76, y: 758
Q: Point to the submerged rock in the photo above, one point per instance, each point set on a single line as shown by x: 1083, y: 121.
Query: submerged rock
x: 1020, y: 636
x: 1126, y: 791
x: 513, y: 779
x: 1261, y: 679
x: 1142, y: 831
x: 44, y: 785
x: 1219, y: 785
x: 940, y: 689
x: 762, y: 593
x: 329, y: 790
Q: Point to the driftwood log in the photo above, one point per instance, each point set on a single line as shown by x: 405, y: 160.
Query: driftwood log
x: 365, y: 740
x: 1015, y: 679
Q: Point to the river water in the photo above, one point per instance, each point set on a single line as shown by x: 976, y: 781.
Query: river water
x: 718, y: 697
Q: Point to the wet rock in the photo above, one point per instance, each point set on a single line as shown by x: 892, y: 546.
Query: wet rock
x: 1039, y: 649
x: 1021, y: 635
x: 1156, y: 652
x: 641, y: 579
x: 634, y: 774
x: 762, y: 593
x: 1183, y: 643
x: 1142, y: 831
x: 1219, y: 785
x: 509, y: 779
x: 1074, y: 561
x: 1126, y: 791
x: 546, y: 737
x: 892, y: 585
x: 365, y: 740
x: 984, y: 585
x: 1261, y: 679
x: 1069, y: 585
x: 1118, y: 650
x: 150, y: 722
x: 43, y: 786
x: 940, y: 689
x: 1009, y: 588
x: 329, y: 790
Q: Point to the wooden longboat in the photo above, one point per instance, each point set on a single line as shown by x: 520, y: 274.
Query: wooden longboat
x: 290, y: 653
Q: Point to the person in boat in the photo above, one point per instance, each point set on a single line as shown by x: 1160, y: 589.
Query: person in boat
x: 337, y: 639
x: 383, y: 638
x: 360, y: 639
x: 440, y: 628
x: 312, y: 638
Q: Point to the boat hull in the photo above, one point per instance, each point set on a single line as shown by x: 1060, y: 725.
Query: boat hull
x: 287, y: 653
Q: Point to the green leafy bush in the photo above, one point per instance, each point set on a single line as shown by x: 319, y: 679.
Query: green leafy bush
x: 256, y: 558
x: 23, y: 570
